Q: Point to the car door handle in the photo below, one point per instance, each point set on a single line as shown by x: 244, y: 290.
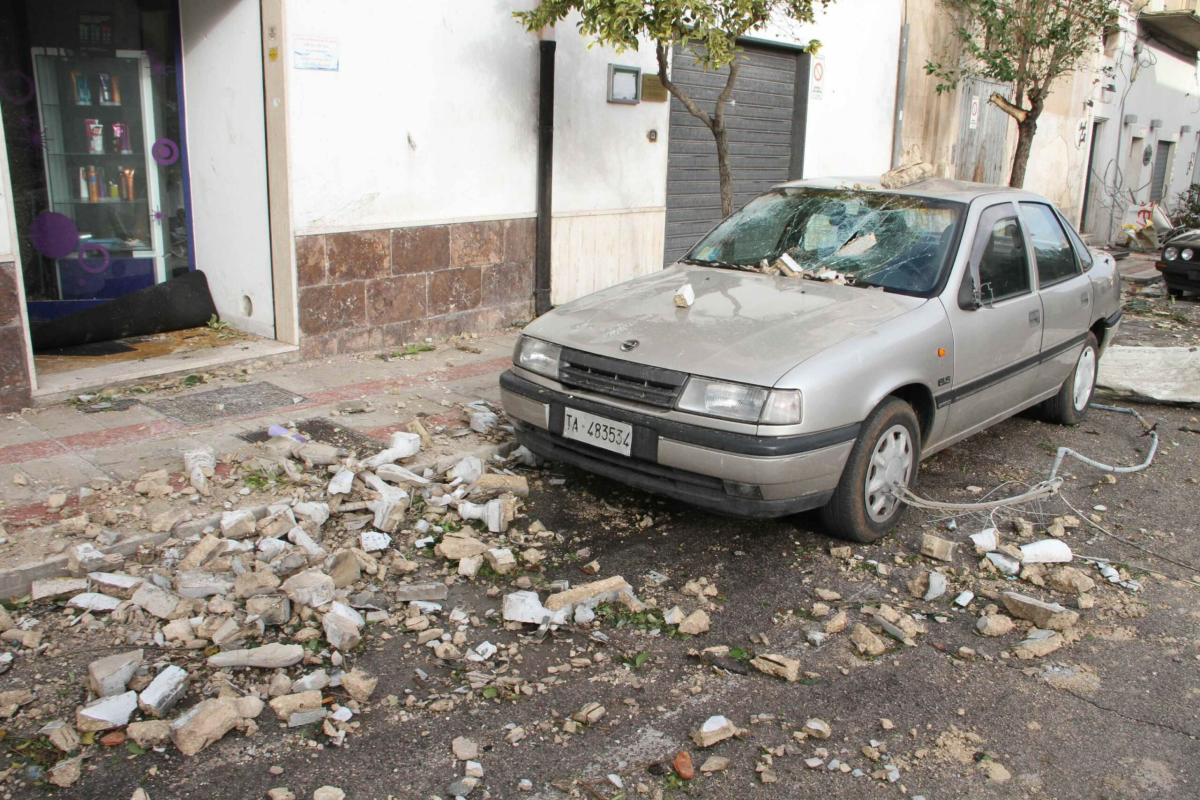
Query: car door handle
x: 1035, y: 317
x: 1085, y: 298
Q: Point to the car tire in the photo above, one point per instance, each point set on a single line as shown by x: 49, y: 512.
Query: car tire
x: 1069, y: 407
x: 854, y: 512
x: 1174, y: 292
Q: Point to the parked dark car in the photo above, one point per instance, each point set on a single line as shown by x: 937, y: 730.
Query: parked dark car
x: 1179, y: 262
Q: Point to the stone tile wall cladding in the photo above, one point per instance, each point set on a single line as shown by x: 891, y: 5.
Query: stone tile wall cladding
x: 373, y: 289
x: 14, y: 371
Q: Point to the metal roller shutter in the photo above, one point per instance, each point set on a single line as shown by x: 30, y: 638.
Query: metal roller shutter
x: 759, y: 121
x: 1158, y: 178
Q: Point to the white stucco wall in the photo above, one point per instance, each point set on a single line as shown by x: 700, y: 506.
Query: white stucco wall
x: 850, y: 125
x: 430, y: 116
x: 603, y: 159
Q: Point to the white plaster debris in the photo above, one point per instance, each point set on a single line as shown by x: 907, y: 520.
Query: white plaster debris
x: 167, y: 688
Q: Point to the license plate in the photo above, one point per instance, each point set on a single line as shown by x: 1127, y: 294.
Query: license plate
x: 607, y: 434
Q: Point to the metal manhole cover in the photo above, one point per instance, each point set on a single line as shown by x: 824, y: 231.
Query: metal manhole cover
x: 230, y: 401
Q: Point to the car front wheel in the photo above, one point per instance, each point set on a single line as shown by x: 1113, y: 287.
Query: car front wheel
x: 885, y: 458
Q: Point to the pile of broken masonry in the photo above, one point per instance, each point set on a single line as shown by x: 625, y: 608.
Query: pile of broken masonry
x: 266, y: 604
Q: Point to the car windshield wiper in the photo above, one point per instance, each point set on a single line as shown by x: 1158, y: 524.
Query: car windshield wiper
x: 722, y: 264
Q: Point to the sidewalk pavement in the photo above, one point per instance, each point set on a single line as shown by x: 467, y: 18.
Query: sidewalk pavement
x: 70, y: 445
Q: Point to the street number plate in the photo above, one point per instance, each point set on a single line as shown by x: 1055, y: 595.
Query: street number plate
x: 607, y: 434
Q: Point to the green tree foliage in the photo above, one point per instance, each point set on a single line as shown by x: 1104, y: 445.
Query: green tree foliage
x: 708, y: 29
x: 1029, y: 44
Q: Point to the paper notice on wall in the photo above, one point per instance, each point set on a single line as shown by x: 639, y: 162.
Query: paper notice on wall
x: 315, y: 52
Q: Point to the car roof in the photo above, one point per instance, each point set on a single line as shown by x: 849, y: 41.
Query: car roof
x: 942, y: 188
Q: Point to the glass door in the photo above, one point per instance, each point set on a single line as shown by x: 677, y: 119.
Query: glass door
x: 102, y: 235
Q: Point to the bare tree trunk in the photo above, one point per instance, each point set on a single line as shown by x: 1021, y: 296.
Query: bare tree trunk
x: 1027, y: 119
x: 714, y: 122
x: 1026, y: 130
x: 724, y: 171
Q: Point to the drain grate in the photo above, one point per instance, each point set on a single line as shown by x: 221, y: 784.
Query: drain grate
x: 230, y: 401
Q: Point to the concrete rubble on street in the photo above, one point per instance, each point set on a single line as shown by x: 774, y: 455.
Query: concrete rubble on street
x: 318, y: 598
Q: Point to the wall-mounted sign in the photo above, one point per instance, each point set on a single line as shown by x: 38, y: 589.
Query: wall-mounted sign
x: 315, y: 52
x: 653, y: 90
x: 624, y: 84
x: 974, y: 123
x: 816, y: 83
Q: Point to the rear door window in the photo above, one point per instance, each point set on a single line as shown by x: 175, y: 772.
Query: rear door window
x: 1056, y: 259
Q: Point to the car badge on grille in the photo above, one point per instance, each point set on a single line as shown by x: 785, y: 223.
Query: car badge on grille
x: 629, y: 344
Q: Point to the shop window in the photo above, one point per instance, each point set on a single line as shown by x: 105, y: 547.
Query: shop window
x: 92, y: 126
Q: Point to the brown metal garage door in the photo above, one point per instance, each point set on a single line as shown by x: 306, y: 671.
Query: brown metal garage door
x: 762, y: 140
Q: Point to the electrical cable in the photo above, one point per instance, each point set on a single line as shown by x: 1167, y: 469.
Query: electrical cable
x: 1052, y: 484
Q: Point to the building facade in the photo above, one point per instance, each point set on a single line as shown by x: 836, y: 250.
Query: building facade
x: 368, y: 173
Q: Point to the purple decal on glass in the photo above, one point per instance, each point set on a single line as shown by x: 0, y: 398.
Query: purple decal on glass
x: 53, y: 234
x: 91, y: 264
x: 165, y: 152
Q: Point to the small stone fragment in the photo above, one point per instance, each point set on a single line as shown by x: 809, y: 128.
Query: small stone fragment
x: 108, y: 676
x: 359, y: 684
x: 682, y: 764
x: 203, y: 724
x: 289, y: 704
x: 778, y: 665
x: 937, y: 547
x: 1050, y: 616
x: 106, y: 713
x: 818, y: 728
x: 464, y: 749
x: 695, y: 623
x: 866, y: 642
x: 1039, y: 643
x: 994, y: 625
x: 66, y: 772
x: 164, y: 691
x: 268, y: 656
x: 311, y: 588
x: 715, y: 729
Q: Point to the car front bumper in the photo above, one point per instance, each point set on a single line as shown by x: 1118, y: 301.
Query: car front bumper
x: 1180, y: 274
x: 733, y: 473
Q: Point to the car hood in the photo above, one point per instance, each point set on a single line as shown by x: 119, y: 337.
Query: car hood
x: 1185, y: 238
x: 743, y: 326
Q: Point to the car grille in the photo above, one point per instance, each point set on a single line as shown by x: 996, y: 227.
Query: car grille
x: 609, y: 376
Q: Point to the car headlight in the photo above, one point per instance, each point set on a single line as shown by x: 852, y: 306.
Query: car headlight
x: 537, y: 356
x: 1170, y: 254
x: 740, y: 402
x: 1186, y: 254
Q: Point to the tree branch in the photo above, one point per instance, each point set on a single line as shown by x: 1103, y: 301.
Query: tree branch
x: 696, y: 111
x: 1014, y: 111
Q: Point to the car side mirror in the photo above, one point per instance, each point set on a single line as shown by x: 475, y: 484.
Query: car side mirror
x: 968, y: 293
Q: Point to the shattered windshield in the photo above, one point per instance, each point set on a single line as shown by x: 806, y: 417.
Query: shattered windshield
x: 863, y: 238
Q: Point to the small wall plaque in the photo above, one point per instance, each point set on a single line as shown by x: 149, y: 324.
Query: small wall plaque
x: 653, y: 90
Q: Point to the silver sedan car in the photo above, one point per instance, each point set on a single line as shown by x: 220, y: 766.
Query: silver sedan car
x: 817, y: 344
